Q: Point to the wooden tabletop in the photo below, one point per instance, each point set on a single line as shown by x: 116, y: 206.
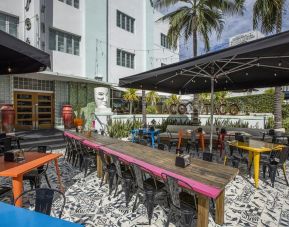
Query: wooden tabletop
x: 208, y: 173
x: 32, y: 161
x: 96, y: 138
x: 256, y: 145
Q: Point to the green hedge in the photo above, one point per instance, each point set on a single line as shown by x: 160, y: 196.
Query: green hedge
x: 254, y: 103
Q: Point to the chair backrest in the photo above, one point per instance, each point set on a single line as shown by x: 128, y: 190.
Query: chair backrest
x: 7, y: 144
x: 161, y: 146
x: 101, y: 154
x: 116, y: 162
x: 44, y: 198
x: 282, y: 155
x: 41, y: 149
x: 139, y: 173
x: 174, y: 189
x: 2, y: 135
x: 208, y: 156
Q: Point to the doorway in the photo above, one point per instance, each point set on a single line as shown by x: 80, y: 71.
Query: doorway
x: 34, y: 110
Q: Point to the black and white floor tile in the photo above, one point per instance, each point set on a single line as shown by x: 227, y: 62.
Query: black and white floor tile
x: 91, y: 205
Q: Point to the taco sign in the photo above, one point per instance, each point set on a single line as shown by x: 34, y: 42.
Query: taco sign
x: 188, y: 108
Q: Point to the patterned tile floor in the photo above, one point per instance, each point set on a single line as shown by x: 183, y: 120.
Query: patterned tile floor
x: 244, y: 205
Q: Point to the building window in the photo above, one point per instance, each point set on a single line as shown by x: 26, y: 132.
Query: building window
x: 33, y: 84
x: 124, y: 21
x: 9, y: 24
x: 125, y: 59
x: 74, y: 3
x: 164, y: 41
x: 63, y: 42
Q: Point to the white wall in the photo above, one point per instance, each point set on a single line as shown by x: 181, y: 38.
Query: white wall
x: 121, y: 38
x: 67, y: 18
x: 14, y: 8
x: 67, y: 63
x: 164, y: 55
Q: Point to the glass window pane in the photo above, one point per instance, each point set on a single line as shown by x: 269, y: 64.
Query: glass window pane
x: 132, y: 26
x: 13, y: 23
x: 76, y: 46
x: 76, y: 4
x: 132, y: 61
x: 2, y: 22
x: 118, y: 15
x: 52, y: 40
x: 127, y: 24
x: 69, y: 44
x: 118, y: 56
x: 123, y: 58
x: 123, y: 21
x: 128, y: 60
x: 60, y: 43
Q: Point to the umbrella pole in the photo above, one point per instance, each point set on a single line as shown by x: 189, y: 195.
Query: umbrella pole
x: 212, y: 114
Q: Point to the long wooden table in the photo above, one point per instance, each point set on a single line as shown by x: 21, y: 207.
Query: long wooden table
x: 17, y: 170
x: 255, y: 148
x: 207, y: 179
x: 94, y: 141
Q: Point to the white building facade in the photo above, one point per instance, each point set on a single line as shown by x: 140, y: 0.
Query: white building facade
x: 91, y: 43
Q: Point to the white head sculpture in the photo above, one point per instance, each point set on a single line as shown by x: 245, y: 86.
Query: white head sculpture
x: 101, y: 99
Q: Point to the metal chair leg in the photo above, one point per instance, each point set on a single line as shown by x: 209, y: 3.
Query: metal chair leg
x: 47, y: 181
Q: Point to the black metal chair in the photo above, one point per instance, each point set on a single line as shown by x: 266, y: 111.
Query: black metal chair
x: 192, y: 142
x: 35, y: 176
x: 44, y: 199
x: 124, y: 176
x: 183, y: 205
x: 277, y: 160
x: 87, y: 159
x: 172, y: 141
x: 107, y: 168
x: 5, y: 144
x: 149, y: 189
x: 161, y: 146
x: 4, y: 191
x: 208, y: 156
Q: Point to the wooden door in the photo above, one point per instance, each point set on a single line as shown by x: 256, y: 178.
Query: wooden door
x: 34, y: 110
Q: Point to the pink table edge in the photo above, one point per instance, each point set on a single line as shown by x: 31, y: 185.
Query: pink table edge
x: 201, y: 188
x: 72, y: 136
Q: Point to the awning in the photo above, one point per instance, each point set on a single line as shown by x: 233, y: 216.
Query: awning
x: 18, y: 57
x: 257, y: 64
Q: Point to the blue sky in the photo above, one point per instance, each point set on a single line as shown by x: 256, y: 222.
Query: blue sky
x: 233, y: 25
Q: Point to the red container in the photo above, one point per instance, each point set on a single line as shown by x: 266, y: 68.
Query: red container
x: 8, y: 118
x: 67, y: 116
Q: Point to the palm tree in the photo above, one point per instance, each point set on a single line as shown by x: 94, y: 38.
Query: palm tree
x: 152, y: 97
x: 197, y: 19
x: 130, y: 96
x: 268, y: 15
x: 173, y: 99
x: 143, y: 110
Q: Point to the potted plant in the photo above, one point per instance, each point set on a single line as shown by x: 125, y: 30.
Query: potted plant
x: 78, y: 121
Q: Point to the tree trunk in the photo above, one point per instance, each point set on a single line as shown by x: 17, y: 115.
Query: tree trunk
x: 278, y: 90
x: 130, y: 108
x: 278, y: 108
x: 144, y: 112
x: 195, y: 53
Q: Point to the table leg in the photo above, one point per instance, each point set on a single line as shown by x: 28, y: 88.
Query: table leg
x: 17, y: 184
x: 256, y: 168
x: 58, y: 174
x: 99, y: 166
x: 220, y: 209
x: 203, y: 211
x: 153, y: 139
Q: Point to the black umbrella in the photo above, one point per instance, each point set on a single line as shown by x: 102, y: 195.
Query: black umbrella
x: 18, y: 57
x: 260, y: 63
